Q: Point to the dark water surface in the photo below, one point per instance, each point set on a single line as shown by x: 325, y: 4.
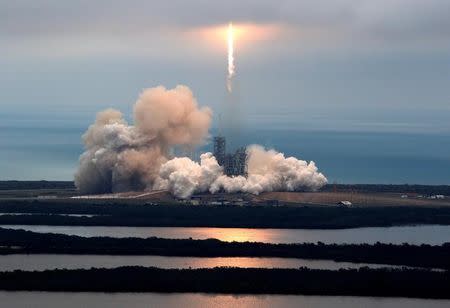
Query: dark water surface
x: 69, y: 300
x: 41, y: 262
x: 426, y: 234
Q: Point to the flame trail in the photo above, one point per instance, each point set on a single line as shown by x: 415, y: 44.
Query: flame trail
x: 230, y: 57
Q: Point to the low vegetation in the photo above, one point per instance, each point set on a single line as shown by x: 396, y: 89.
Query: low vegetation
x: 119, y: 213
x: 21, y: 185
x: 20, y: 241
x: 361, y: 282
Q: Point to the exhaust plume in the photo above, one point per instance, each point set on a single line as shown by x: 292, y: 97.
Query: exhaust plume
x: 230, y: 41
x: 268, y: 170
x: 121, y: 157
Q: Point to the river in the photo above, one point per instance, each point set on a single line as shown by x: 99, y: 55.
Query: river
x: 52, y: 261
x: 423, y: 234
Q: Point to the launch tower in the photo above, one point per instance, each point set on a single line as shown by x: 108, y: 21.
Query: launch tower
x: 233, y: 163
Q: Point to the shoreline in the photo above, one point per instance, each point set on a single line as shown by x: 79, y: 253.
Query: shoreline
x: 27, y: 242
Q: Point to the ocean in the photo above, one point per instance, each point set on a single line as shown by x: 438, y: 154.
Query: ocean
x: 50, y: 151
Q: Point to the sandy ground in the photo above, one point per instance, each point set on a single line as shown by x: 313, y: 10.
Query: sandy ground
x: 319, y: 198
x: 360, y: 199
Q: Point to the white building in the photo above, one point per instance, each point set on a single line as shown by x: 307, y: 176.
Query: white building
x: 345, y: 203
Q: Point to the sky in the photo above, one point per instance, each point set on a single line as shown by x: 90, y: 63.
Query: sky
x: 342, y: 65
x: 303, y: 68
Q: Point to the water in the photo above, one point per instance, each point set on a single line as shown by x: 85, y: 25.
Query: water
x: 426, y: 234
x: 85, y: 299
x: 35, y: 153
x: 48, y: 261
x: 50, y: 150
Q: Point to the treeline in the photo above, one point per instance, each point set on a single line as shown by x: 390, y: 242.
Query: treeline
x: 130, y: 214
x: 362, y: 282
x: 21, y: 185
x: 20, y: 241
x: 404, y: 188
x: 396, y: 188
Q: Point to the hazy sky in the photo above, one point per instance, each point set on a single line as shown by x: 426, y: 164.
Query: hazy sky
x: 351, y: 65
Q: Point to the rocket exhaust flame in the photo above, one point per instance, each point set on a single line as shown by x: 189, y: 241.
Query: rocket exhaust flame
x: 230, y: 57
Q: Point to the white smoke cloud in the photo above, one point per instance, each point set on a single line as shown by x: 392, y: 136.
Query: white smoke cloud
x: 268, y: 170
x: 183, y: 177
x: 122, y: 157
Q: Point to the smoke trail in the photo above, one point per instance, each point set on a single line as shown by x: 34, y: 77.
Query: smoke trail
x: 231, y: 71
x: 230, y: 113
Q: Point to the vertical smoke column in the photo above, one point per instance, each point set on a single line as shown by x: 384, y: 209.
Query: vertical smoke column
x: 230, y: 40
x: 231, y: 125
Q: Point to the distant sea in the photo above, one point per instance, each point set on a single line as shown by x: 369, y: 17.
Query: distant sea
x: 50, y: 152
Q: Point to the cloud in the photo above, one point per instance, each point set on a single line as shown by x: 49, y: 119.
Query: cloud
x: 124, y: 26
